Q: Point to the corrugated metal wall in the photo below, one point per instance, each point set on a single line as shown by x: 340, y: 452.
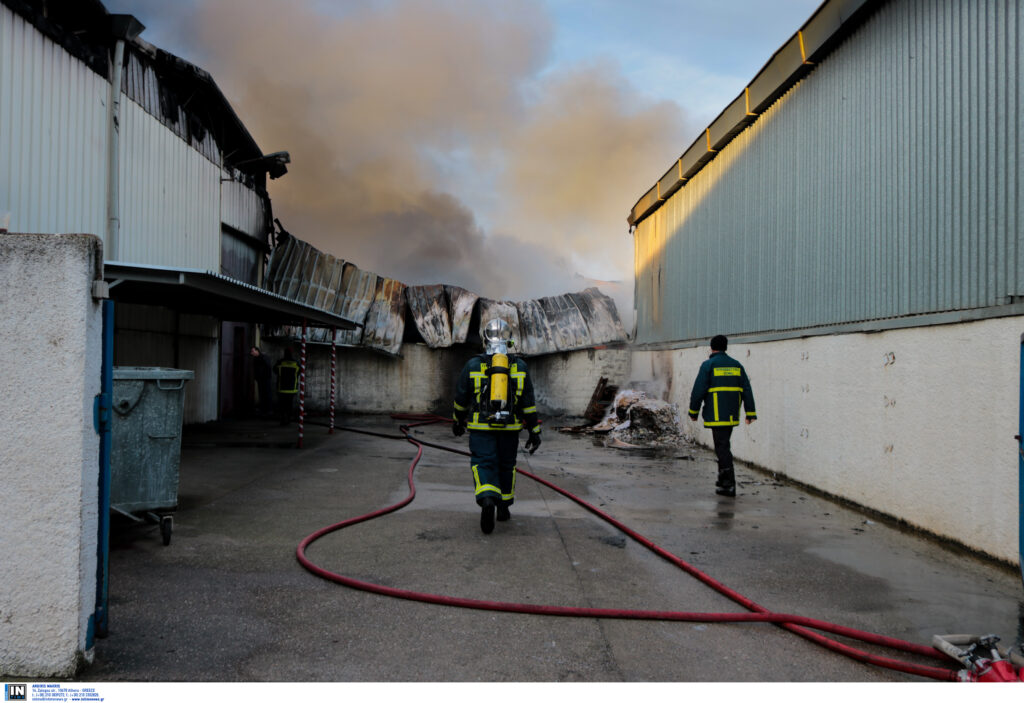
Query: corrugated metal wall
x: 170, y: 197
x: 243, y: 209
x: 52, y: 135
x: 884, y: 184
x: 154, y: 336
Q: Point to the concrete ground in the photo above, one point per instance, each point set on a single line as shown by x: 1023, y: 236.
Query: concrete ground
x: 228, y: 601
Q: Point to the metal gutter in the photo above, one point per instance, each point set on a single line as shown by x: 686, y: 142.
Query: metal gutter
x: 949, y: 317
x: 830, y: 24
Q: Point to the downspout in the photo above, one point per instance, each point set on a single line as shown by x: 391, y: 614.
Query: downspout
x: 123, y: 28
x: 1020, y: 477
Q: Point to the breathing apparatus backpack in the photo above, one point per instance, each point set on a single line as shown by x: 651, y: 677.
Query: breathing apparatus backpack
x: 498, y: 407
x: 495, y: 402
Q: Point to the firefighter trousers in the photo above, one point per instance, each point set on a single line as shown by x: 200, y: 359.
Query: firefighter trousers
x: 494, y: 464
x: 723, y: 447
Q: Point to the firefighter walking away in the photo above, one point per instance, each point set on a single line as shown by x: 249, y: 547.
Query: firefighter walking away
x: 722, y: 386
x: 494, y: 400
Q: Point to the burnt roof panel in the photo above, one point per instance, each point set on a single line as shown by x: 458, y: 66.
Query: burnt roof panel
x: 598, y: 310
x: 568, y: 328
x: 442, y: 314
x: 461, y: 303
x: 385, y: 322
x: 537, y: 337
x: 429, y: 308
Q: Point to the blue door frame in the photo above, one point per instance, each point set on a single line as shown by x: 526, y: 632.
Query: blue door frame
x: 102, y: 421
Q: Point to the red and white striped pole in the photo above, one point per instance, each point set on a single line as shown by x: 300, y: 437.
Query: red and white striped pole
x: 302, y: 384
x: 334, y: 366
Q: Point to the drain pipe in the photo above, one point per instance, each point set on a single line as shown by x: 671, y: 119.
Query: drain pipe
x: 123, y: 28
x: 1020, y: 473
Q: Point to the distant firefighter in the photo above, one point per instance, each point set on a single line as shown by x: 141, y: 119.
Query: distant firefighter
x: 722, y: 385
x: 287, y: 371
x: 494, y: 401
x: 262, y: 375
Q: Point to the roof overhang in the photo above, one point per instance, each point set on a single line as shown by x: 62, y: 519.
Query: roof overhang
x: 206, y: 293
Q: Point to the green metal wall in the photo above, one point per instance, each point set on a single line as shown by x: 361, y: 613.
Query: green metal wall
x: 885, y: 184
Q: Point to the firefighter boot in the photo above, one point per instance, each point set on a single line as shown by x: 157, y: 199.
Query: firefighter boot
x: 503, y: 513
x: 487, y: 515
x: 726, y: 484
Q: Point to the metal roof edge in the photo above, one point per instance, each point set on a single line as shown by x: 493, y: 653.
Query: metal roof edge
x: 887, y: 324
x: 814, y: 40
x: 188, y: 72
x: 219, y: 284
x: 86, y: 41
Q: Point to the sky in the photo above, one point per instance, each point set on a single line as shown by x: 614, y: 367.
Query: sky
x: 497, y: 145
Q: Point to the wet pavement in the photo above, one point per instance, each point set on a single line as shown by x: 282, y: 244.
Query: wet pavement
x: 227, y: 600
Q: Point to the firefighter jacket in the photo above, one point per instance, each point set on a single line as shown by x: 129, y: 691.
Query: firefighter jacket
x: 722, y: 385
x: 287, y: 376
x: 473, y: 391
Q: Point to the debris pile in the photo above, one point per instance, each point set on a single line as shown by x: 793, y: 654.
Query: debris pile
x: 634, y: 421
x: 648, y: 423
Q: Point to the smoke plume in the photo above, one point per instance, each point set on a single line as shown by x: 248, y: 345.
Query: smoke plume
x: 432, y: 142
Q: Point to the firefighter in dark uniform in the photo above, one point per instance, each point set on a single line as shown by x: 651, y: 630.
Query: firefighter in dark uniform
x: 722, y: 385
x: 494, y: 401
x: 287, y: 371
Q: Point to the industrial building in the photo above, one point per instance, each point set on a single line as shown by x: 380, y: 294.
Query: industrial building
x: 853, y: 222
x: 145, y: 152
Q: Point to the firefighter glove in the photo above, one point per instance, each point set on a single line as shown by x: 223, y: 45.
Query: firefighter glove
x: 533, y: 441
x: 458, y: 429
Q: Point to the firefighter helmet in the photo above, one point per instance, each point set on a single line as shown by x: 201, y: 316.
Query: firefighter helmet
x: 497, y: 337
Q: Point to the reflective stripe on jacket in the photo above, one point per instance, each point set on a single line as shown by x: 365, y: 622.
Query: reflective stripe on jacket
x: 722, y: 385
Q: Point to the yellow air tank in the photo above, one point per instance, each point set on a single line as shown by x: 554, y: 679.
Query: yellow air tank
x: 499, y: 387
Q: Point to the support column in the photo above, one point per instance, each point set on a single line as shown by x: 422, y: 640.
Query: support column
x: 334, y: 369
x: 302, y: 384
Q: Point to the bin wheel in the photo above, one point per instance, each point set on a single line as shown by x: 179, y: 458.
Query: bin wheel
x: 166, y: 528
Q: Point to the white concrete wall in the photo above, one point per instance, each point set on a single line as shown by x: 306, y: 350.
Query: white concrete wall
x: 51, y: 344
x: 564, y: 383
x: 423, y: 379
x: 917, y: 424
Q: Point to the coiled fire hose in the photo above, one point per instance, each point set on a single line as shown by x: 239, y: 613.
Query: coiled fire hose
x: 800, y: 625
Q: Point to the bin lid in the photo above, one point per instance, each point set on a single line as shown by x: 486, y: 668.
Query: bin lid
x: 145, y: 373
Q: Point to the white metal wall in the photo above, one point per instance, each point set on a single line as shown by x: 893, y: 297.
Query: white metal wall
x: 242, y: 208
x: 170, y: 197
x: 885, y: 184
x: 52, y: 135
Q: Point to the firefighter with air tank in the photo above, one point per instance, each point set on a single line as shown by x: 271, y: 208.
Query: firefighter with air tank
x: 494, y: 401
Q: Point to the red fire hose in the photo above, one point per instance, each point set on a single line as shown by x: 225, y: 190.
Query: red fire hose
x: 797, y: 624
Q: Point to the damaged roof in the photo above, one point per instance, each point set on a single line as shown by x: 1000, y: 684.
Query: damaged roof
x: 443, y: 315
x: 182, y: 96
